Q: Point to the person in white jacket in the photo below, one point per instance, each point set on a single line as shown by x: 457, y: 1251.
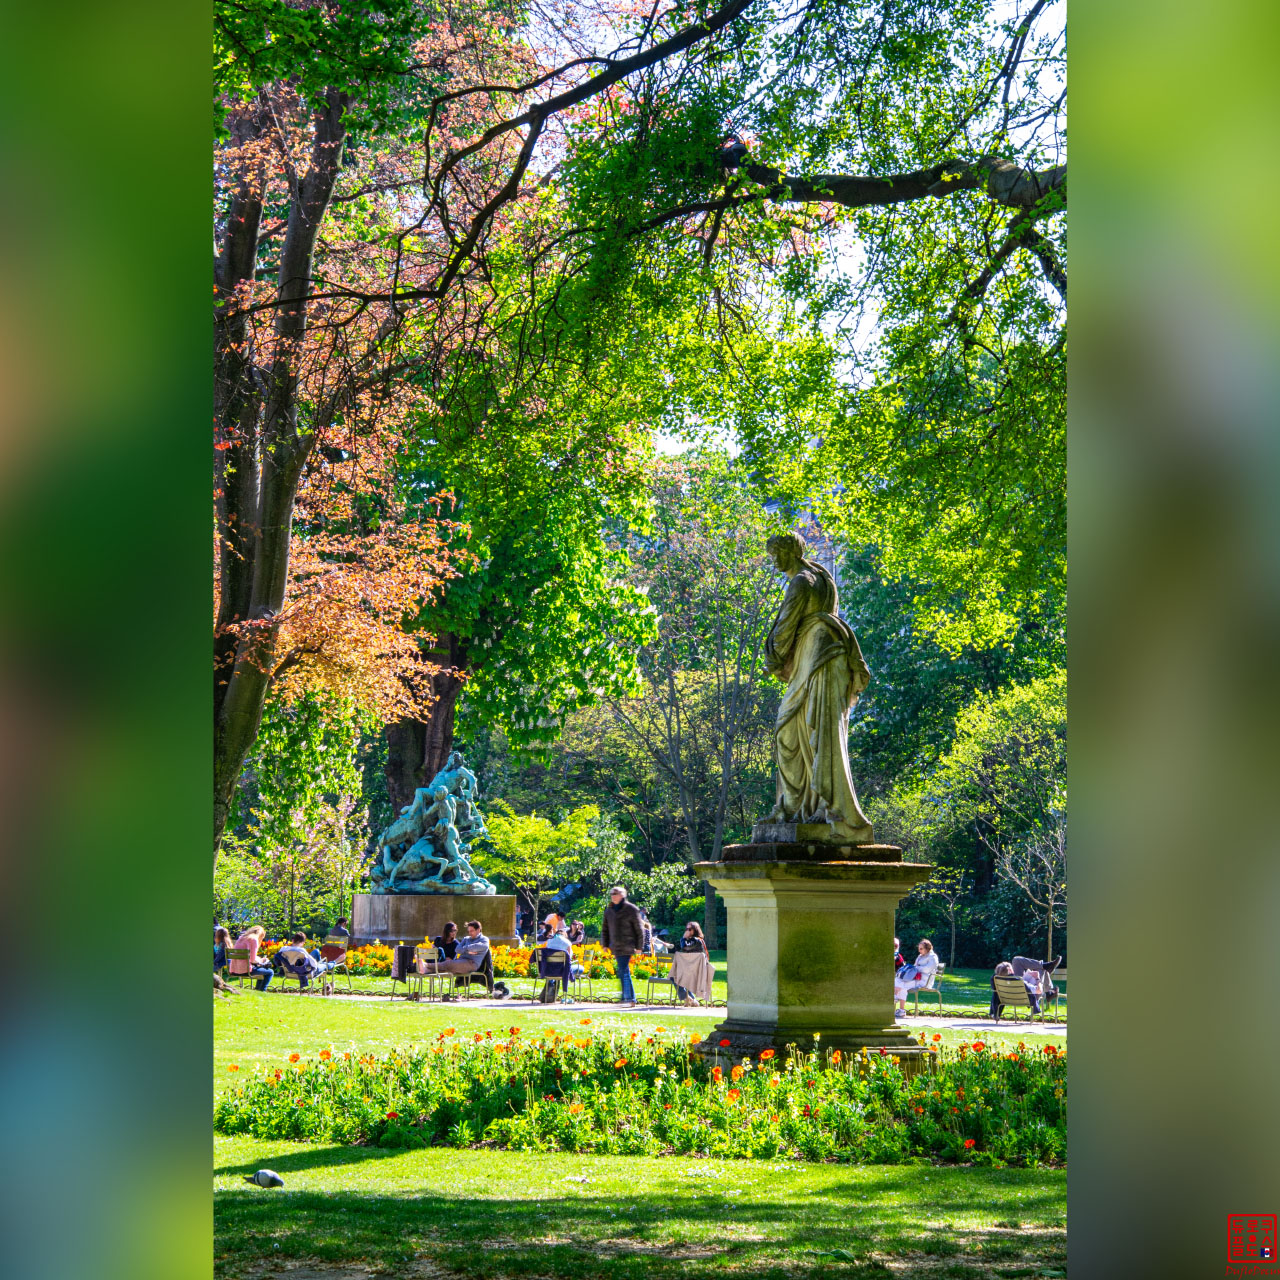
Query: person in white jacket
x: 913, y: 976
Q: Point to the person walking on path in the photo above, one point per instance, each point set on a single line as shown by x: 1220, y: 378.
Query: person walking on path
x: 622, y: 933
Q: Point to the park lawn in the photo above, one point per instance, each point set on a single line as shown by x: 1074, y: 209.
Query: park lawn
x: 488, y: 1213
x: 253, y: 1030
x: 485, y: 1212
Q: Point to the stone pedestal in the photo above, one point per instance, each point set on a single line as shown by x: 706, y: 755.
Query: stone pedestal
x: 811, y: 946
x: 411, y: 917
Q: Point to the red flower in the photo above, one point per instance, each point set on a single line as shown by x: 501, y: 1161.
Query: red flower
x: 724, y: 1044
x: 393, y: 1115
x: 233, y: 1067
x: 766, y: 1054
x: 884, y: 1053
x: 478, y: 1037
x: 936, y: 1038
x: 808, y: 1111
x: 978, y: 1046
x: 733, y: 1095
x: 968, y: 1142
x: 716, y: 1073
x: 515, y: 1031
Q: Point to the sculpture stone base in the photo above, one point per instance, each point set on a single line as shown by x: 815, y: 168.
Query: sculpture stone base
x: 411, y: 917
x: 810, y: 948
x: 805, y: 833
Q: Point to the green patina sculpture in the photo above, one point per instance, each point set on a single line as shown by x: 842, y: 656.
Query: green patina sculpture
x: 425, y: 850
x: 813, y: 649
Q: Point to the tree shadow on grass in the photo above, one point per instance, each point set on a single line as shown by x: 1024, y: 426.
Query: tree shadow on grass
x: 843, y: 1229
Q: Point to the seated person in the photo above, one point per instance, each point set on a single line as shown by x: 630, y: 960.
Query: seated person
x: 468, y: 958
x: 221, y: 941
x: 294, y: 958
x: 690, y: 940
x: 251, y: 940
x: 647, y: 944
x: 911, y: 977
x: 578, y: 933
x: 1030, y: 979
x: 340, y: 929
x: 898, y: 961
x: 1022, y: 965
x: 447, y: 942
x: 559, y: 941
x: 548, y: 927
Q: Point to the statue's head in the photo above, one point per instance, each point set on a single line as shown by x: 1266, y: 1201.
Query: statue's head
x: 455, y: 759
x: 786, y: 550
x: 440, y: 792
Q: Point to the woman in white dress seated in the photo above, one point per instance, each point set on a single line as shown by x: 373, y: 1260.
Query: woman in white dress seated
x: 911, y: 977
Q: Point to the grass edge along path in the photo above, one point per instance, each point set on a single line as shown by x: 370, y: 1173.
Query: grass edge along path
x: 486, y: 1213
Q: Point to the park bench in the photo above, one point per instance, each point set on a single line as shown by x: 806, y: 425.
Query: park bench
x: 1059, y: 981
x: 334, y: 950
x: 660, y: 977
x: 1011, y: 993
x: 931, y: 988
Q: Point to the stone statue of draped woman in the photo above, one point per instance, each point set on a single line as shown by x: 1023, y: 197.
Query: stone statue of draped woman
x: 813, y: 649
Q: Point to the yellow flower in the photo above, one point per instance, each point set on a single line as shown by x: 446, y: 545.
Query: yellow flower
x: 695, y: 1038
x: 575, y: 1107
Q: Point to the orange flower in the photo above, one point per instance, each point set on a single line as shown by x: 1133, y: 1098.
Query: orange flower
x: 346, y: 1057
x: 835, y: 1057
x: 936, y: 1038
x: 659, y: 1028
x: 733, y: 1095
x: 325, y: 1055
x: 586, y: 1022
x: 736, y: 1073
x: 978, y: 1046
x: 621, y: 1062
x: 716, y: 1074
x: 766, y: 1054
x: 575, y: 1107
x: 695, y: 1038
x: 293, y: 1057
x: 478, y: 1037
x: 773, y: 1119
x: 233, y: 1067
x: 448, y: 1031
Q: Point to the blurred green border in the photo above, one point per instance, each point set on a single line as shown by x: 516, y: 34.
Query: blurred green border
x: 104, y: 694
x: 105, y: 687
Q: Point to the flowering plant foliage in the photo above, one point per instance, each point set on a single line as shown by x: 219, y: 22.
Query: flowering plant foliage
x: 647, y: 1095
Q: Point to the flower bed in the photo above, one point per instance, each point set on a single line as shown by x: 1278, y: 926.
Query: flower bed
x: 519, y: 962
x: 648, y: 1095
x: 374, y: 961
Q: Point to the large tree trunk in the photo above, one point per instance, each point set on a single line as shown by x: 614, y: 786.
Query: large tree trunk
x: 266, y: 453
x: 417, y: 749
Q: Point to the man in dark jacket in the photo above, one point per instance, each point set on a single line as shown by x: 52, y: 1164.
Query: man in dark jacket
x: 622, y: 932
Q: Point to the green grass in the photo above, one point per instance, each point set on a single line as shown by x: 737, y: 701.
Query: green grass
x: 482, y: 1213
x: 498, y: 1213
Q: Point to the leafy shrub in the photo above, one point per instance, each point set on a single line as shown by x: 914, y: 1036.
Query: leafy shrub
x: 648, y: 1095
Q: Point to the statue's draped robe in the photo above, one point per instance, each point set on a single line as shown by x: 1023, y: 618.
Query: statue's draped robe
x: 817, y: 654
